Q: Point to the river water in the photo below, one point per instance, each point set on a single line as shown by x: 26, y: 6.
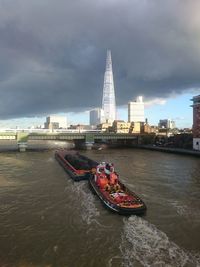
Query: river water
x: 47, y: 220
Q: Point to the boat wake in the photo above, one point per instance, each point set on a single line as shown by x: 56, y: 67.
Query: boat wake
x: 191, y: 212
x: 144, y: 245
x: 51, y: 159
x: 89, y: 212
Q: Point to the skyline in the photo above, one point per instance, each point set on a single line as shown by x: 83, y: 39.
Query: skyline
x: 55, y: 64
x: 154, y: 111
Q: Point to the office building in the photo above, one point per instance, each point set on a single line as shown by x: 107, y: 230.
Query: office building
x: 196, y: 122
x: 55, y: 122
x: 136, y: 127
x: 166, y: 124
x: 96, y: 116
x: 120, y: 126
x: 108, y: 101
x: 136, y: 110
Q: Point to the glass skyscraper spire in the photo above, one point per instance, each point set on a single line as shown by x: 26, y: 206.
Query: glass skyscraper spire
x: 108, y: 101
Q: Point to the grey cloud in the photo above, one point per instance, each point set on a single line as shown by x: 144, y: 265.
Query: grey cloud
x: 52, y: 53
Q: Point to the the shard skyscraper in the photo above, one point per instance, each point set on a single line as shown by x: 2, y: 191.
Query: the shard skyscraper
x: 108, y: 101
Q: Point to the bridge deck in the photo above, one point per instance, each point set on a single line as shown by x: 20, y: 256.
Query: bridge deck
x: 88, y: 137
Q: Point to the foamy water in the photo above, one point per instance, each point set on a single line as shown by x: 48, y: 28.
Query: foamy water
x: 187, y: 211
x: 89, y: 211
x: 144, y: 243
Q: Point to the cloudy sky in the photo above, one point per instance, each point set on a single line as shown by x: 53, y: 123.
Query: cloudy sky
x: 52, y: 55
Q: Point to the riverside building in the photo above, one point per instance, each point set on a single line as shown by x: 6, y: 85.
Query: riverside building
x: 136, y: 110
x: 196, y: 122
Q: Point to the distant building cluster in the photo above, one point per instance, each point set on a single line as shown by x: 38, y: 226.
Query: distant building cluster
x: 167, y: 124
x: 55, y: 122
x: 104, y: 118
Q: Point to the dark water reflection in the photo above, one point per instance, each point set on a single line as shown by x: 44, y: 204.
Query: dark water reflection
x: 48, y: 220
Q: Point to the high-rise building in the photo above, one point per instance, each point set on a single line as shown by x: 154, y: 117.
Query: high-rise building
x: 55, y: 122
x: 108, y: 101
x: 136, y: 110
x: 167, y: 124
x: 96, y: 116
x: 196, y: 122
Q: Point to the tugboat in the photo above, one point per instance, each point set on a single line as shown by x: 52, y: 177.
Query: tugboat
x: 77, y: 166
x: 113, y: 193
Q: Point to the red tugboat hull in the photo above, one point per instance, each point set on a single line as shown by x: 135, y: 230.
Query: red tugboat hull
x: 123, y: 201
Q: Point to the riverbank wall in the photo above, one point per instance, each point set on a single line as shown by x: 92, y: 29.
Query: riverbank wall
x: 171, y: 150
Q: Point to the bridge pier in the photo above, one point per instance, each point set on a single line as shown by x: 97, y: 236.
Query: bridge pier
x: 82, y: 144
x: 22, y: 138
x: 88, y: 145
x: 22, y: 146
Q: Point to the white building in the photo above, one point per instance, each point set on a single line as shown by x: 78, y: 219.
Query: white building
x: 136, y: 110
x: 96, y: 116
x: 55, y: 122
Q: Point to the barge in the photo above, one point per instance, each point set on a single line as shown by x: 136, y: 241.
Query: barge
x: 76, y: 165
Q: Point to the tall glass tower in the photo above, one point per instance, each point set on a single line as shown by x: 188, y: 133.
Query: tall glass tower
x: 108, y: 101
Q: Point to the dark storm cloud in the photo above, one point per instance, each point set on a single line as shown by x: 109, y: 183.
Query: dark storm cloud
x: 52, y: 53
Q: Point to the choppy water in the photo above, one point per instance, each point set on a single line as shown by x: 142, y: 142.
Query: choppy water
x: 48, y: 220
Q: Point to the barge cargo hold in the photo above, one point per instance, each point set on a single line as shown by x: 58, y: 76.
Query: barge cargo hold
x: 76, y: 165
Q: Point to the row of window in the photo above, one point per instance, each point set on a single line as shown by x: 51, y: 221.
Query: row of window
x: 7, y: 137
x: 54, y: 137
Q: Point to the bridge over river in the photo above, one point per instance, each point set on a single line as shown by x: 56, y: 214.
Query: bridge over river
x: 81, y: 140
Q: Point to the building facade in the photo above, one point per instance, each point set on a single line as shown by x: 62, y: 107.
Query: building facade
x: 104, y: 127
x: 120, y: 126
x: 55, y: 122
x: 167, y: 124
x: 108, y: 100
x: 136, y: 110
x: 196, y: 122
x: 96, y: 116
